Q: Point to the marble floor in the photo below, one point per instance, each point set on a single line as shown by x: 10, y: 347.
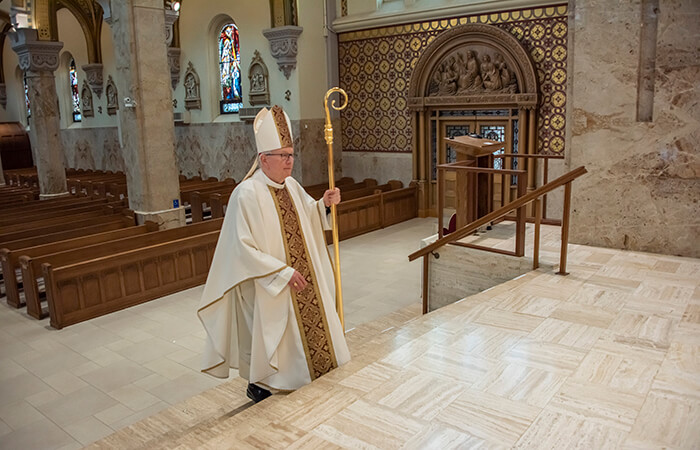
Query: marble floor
x: 606, y: 357
x: 68, y: 388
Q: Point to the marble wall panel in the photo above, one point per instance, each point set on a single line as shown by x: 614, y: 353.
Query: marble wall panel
x: 641, y: 192
x: 92, y: 148
x: 380, y: 166
x: 220, y: 150
x: 460, y: 272
x: 312, y: 149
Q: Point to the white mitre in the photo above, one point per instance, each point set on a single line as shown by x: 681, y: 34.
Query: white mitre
x: 273, y: 129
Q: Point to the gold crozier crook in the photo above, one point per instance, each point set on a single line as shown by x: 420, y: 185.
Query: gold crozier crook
x: 328, y: 133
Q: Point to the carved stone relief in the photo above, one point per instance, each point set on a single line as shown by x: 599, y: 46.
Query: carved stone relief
x: 193, y: 99
x: 259, y: 81
x: 472, y: 70
x: 94, y: 77
x: 86, y: 100
x: 112, y: 97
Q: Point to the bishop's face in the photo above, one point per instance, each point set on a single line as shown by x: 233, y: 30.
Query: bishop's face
x: 278, y: 164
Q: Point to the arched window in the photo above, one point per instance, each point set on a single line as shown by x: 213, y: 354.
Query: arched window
x: 230, y: 69
x: 75, y: 95
x: 26, y: 96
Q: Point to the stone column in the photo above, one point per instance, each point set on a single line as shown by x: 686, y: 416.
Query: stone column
x: 39, y: 59
x: 146, y: 111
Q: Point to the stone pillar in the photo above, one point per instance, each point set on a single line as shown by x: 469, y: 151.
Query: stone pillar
x: 39, y: 59
x: 146, y: 112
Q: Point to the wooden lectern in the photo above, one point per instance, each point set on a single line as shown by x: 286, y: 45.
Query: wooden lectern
x: 476, y: 152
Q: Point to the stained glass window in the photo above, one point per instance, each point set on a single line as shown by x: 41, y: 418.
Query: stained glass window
x: 26, y: 96
x: 73, y: 76
x: 230, y: 69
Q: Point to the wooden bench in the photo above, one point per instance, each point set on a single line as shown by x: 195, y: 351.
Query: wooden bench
x: 24, y: 217
x: 379, y: 210
x: 102, y: 210
x: 199, y: 199
x: 367, y: 182
x: 44, y: 205
x: 186, y: 192
x: 31, y: 267
x: 85, y: 220
x: 93, y: 288
x: 9, y: 258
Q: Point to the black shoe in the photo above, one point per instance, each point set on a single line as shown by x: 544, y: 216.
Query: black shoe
x: 256, y: 393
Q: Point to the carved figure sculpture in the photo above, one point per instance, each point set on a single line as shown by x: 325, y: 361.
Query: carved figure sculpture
x: 192, y: 97
x: 470, y: 80
x: 86, y: 100
x: 112, y: 97
x: 508, y: 81
x: 446, y: 79
x: 490, y: 74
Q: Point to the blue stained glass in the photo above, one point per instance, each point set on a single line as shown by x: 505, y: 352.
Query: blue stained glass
x: 73, y: 77
x: 230, y: 69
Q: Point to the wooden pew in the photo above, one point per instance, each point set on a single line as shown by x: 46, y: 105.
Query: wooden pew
x: 363, y: 192
x: 44, y: 205
x: 31, y: 267
x: 85, y: 220
x: 199, y: 198
x: 399, y: 205
x: 115, y: 222
x: 40, y: 213
x: 109, y: 208
x: 185, y: 193
x: 367, y: 182
x: 96, y: 287
x: 9, y: 258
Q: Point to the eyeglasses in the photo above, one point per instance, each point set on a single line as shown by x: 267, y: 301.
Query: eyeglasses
x: 285, y: 156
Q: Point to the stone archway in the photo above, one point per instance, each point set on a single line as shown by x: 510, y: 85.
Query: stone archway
x: 471, y: 68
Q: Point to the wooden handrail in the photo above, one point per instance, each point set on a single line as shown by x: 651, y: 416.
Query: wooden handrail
x: 524, y: 200
x: 527, y: 155
x: 482, y: 170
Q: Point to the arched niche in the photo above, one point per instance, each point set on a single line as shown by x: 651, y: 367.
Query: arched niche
x: 472, y: 67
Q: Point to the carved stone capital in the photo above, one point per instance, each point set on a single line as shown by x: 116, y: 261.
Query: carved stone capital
x: 170, y: 19
x: 94, y: 77
x: 3, y: 95
x: 174, y: 64
x: 283, y: 46
x: 34, y: 55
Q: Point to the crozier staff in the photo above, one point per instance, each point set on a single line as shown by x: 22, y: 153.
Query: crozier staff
x: 268, y: 306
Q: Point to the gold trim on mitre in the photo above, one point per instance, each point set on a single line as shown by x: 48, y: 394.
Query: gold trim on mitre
x: 283, y: 131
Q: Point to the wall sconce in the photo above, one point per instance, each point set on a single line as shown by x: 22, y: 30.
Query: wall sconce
x: 287, y: 95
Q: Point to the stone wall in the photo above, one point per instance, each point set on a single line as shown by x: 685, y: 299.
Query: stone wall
x: 643, y: 185
x: 220, y: 150
x: 460, y: 272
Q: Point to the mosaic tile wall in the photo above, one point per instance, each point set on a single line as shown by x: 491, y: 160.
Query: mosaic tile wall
x: 376, y: 67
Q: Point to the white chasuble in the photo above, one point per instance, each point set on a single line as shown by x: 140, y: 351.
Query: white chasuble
x: 255, y: 323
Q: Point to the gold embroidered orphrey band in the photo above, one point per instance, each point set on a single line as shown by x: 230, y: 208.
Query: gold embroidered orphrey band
x: 308, y: 304
x: 281, y: 125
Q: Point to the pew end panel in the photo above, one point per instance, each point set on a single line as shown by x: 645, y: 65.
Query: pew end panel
x: 93, y: 288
